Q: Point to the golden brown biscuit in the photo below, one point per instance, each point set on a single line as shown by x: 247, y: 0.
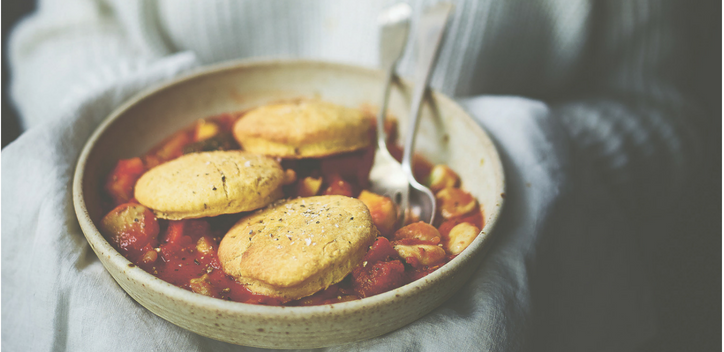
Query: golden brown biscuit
x: 298, y: 247
x: 209, y: 184
x: 306, y: 129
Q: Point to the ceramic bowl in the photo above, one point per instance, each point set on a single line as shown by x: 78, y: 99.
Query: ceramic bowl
x: 446, y: 135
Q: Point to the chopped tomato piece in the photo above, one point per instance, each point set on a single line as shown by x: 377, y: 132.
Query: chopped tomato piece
x: 354, y: 166
x: 420, y: 166
x: 130, y: 227
x: 380, y: 251
x: 184, y: 232
x: 390, y: 129
x: 378, y: 278
x: 338, y: 186
x: 169, y: 251
x: 122, y: 179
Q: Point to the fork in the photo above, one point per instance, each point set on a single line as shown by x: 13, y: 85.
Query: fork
x: 388, y: 177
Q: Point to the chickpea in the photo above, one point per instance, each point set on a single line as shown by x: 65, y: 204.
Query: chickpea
x: 149, y: 257
x: 205, y: 245
x: 309, y: 186
x: 419, y: 230
x: 420, y: 254
x: 382, y: 210
x: 461, y: 236
x: 290, y: 176
x: 442, y: 177
x: 201, y: 285
x: 205, y: 130
x: 454, y: 202
x: 122, y: 179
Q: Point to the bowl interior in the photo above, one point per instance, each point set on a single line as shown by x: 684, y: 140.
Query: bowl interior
x: 446, y: 135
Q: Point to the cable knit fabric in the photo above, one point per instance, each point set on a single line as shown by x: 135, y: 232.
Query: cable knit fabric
x: 606, y: 135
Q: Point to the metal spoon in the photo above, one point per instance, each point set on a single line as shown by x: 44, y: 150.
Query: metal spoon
x: 414, y: 197
x: 429, y: 39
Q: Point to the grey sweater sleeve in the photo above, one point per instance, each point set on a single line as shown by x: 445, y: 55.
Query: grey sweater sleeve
x: 633, y: 124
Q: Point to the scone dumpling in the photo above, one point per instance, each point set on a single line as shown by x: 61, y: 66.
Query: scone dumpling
x: 298, y: 247
x: 306, y: 129
x: 209, y: 184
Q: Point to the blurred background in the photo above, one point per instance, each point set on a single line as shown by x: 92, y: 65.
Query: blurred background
x: 685, y: 272
x: 12, y: 12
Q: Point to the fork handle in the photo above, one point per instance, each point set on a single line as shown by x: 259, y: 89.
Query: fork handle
x: 381, y: 135
x: 429, y: 37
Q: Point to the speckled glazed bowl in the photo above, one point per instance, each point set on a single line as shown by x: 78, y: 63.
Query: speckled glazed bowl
x: 446, y: 135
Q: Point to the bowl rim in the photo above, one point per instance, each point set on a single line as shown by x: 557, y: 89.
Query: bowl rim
x: 153, y: 283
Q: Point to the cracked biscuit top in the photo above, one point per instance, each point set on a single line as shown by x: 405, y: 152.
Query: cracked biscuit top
x: 295, y: 248
x: 303, y: 129
x: 210, y: 184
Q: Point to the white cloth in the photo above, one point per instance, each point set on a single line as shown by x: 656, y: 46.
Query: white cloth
x: 546, y: 282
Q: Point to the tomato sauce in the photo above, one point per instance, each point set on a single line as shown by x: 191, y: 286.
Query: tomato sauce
x: 184, y: 252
